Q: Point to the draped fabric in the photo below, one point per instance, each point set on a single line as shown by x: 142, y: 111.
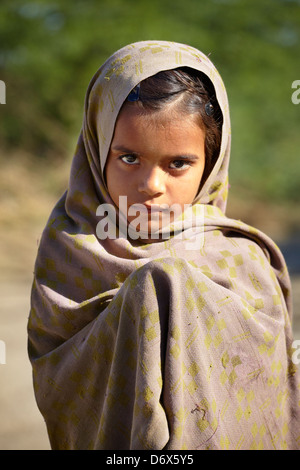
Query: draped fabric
x: 185, y: 343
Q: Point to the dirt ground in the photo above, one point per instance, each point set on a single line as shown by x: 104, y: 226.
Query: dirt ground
x: 21, y: 424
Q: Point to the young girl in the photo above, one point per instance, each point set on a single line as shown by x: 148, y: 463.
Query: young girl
x: 137, y: 338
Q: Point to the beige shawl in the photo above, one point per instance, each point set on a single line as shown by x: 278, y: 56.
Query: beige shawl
x: 157, y: 346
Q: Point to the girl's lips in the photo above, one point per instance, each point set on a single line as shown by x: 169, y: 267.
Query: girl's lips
x: 156, y: 207
x: 151, y: 208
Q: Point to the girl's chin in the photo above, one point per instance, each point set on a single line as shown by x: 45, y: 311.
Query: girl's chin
x: 147, y: 227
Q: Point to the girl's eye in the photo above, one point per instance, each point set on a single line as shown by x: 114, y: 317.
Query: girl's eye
x: 179, y: 165
x: 129, y: 159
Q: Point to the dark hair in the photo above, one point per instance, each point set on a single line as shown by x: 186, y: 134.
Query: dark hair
x: 195, y: 94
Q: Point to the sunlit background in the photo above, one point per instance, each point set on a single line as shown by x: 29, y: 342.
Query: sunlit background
x: 49, y: 51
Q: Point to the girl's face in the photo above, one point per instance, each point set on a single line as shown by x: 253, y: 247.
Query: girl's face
x: 155, y: 159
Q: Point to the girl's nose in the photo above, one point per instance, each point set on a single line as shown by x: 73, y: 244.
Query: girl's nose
x: 152, y: 182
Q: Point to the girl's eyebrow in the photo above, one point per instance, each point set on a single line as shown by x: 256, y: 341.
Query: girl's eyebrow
x: 121, y: 148
x: 188, y: 156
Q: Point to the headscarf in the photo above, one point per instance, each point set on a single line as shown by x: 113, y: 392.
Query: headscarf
x: 152, y: 346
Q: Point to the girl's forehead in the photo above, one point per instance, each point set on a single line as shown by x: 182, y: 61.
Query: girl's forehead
x: 132, y: 119
x: 169, y: 115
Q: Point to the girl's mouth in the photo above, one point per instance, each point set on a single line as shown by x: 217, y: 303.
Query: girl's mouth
x: 157, y: 207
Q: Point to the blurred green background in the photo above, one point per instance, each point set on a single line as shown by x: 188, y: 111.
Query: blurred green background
x: 49, y: 51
